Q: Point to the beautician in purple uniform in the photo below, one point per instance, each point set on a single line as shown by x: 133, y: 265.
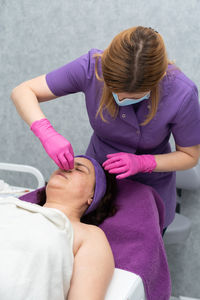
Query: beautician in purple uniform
x: 135, y: 98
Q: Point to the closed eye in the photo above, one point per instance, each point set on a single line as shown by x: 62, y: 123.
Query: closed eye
x: 83, y: 169
x: 80, y: 170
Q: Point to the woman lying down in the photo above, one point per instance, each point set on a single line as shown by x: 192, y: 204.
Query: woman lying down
x: 46, y: 252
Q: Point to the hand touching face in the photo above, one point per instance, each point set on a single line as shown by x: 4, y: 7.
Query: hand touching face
x: 77, y: 183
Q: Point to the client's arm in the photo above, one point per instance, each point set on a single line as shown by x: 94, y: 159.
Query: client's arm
x: 93, y: 267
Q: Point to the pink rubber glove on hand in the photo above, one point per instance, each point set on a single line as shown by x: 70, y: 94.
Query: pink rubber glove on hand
x: 56, y: 146
x: 127, y: 164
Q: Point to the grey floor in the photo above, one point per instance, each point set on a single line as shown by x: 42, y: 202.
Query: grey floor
x: 184, y: 260
x: 182, y: 298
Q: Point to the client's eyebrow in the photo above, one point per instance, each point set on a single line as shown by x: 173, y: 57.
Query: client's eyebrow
x: 81, y: 165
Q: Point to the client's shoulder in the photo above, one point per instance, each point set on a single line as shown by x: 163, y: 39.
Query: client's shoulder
x: 88, y: 236
x: 95, y: 230
x: 95, y: 244
x: 88, y: 230
x: 87, y: 233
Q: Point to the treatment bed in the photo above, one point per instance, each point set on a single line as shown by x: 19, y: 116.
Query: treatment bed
x: 125, y: 285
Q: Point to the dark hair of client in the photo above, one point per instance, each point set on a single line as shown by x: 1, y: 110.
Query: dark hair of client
x: 106, y: 208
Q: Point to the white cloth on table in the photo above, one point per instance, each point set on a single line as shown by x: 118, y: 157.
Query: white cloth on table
x: 36, y: 251
x: 5, y: 188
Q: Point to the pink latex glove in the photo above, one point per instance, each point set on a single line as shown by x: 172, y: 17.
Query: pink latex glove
x: 127, y: 164
x: 56, y: 146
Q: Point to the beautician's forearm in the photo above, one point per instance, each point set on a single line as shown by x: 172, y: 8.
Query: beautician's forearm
x: 27, y: 104
x: 175, y: 161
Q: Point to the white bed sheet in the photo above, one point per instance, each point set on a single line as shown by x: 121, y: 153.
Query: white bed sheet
x: 125, y: 286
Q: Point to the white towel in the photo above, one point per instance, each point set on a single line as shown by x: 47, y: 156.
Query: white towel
x: 36, y: 251
x: 9, y: 190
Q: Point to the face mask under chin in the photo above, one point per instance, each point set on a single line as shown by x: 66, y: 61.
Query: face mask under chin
x: 127, y: 101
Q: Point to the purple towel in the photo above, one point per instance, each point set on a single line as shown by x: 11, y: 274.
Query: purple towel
x: 134, y: 234
x: 32, y: 196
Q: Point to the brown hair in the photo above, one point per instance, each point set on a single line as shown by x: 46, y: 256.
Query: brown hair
x: 107, y: 207
x: 135, y: 61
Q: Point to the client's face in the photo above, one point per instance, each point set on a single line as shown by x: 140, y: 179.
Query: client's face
x: 76, y: 183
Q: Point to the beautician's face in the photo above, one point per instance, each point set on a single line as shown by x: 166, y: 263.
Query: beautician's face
x: 76, y: 183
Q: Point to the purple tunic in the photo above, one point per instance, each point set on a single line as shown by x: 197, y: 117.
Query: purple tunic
x: 178, y: 113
